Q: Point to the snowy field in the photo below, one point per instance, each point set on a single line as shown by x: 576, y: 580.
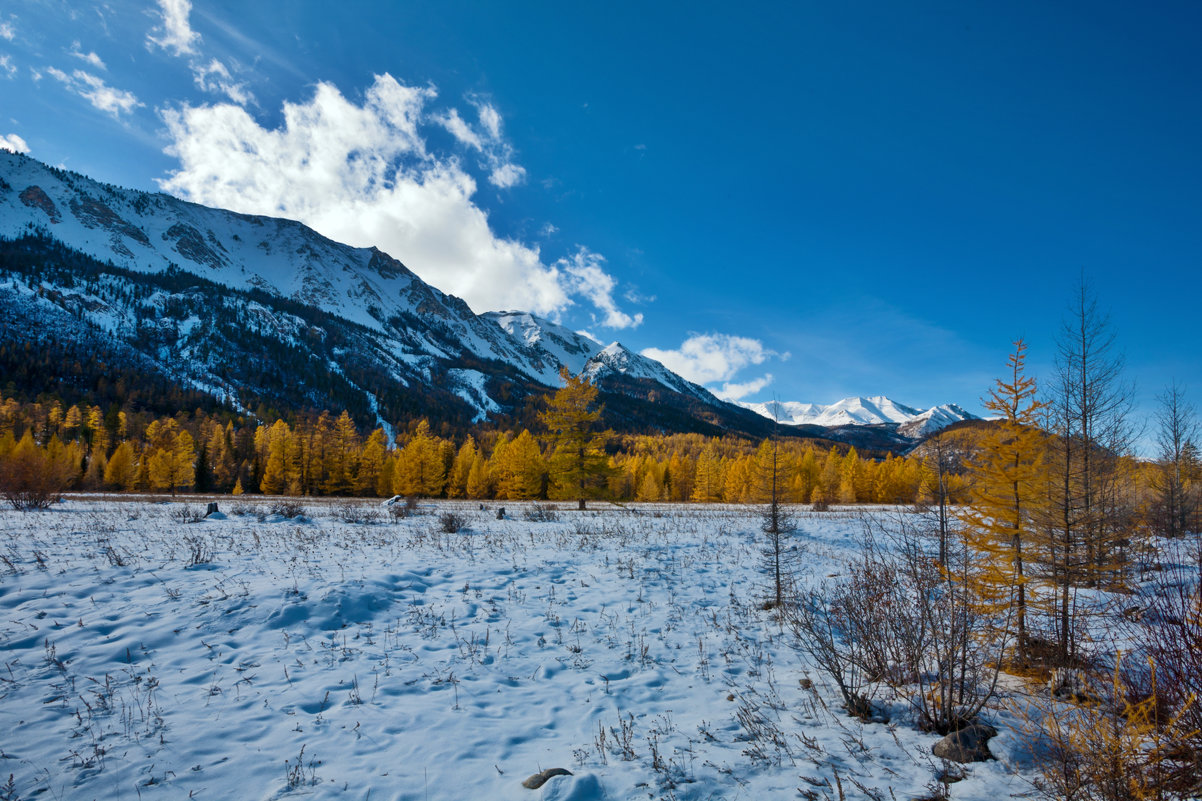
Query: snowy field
x: 346, y: 654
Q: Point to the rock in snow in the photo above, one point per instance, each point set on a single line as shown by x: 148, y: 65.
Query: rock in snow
x: 539, y: 779
x: 970, y: 744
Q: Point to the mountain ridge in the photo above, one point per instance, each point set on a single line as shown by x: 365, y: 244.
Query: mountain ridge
x: 258, y: 310
x: 910, y: 422
x: 387, y: 325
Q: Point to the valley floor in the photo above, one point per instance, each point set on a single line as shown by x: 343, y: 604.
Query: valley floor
x: 254, y: 656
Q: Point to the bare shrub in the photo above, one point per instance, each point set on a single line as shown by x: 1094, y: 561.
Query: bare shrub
x: 242, y: 508
x: 400, y: 508
x: 287, y: 507
x: 450, y: 523
x: 820, y: 629
x: 541, y: 513
x: 898, y: 617
x: 356, y: 513
x: 199, y: 551
x: 187, y: 513
x: 940, y: 639
x: 1169, y: 633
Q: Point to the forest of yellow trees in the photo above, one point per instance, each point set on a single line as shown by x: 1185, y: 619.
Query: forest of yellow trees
x: 326, y: 455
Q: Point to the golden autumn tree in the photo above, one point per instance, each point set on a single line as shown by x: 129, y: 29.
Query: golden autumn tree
x: 121, y: 472
x: 275, y: 441
x: 420, y: 469
x: 578, y: 465
x: 220, y: 458
x: 850, y: 477
x: 1007, y: 473
x: 341, y: 457
x: 33, y: 477
x: 371, y: 464
x: 479, y: 482
x: 521, y: 474
x: 461, y: 468
x: 707, y: 478
x: 172, y: 457
x: 826, y: 488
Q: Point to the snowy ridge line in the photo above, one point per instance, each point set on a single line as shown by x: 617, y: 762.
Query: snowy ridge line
x: 860, y: 411
x: 151, y: 233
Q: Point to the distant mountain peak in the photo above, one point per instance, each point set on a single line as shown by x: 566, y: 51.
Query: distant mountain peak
x: 863, y: 411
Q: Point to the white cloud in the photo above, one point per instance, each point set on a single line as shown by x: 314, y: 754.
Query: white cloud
x: 7, y: 68
x: 733, y: 392
x: 490, y: 118
x: 706, y: 358
x: 7, y: 31
x: 460, y: 129
x: 507, y: 175
x: 497, y: 153
x: 361, y: 173
x: 97, y: 92
x: 215, y: 77
x: 175, y: 34
x: 89, y: 57
x: 14, y: 143
x: 586, y: 277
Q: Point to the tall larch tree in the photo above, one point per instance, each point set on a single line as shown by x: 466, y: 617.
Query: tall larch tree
x: 522, y: 474
x: 707, y: 478
x: 172, y: 459
x: 420, y: 470
x: 371, y: 464
x: 1008, y: 489
x: 275, y: 441
x: 578, y: 464
x: 461, y: 468
x: 121, y: 472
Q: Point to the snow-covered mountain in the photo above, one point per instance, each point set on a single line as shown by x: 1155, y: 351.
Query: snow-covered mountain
x: 911, y: 422
x: 373, y: 326
x: 582, y: 355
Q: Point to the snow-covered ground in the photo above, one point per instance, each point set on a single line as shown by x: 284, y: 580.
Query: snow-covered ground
x: 264, y: 657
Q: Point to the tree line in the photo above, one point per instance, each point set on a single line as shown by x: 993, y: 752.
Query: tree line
x: 86, y: 448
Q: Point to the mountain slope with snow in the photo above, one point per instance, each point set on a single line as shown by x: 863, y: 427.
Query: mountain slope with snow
x: 260, y: 310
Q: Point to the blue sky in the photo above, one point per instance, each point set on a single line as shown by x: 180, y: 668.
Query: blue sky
x: 806, y: 200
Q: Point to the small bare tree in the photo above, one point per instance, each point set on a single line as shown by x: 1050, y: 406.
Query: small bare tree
x: 1176, y: 504
x: 776, y: 523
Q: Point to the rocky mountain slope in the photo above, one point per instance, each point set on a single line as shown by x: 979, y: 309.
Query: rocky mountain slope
x: 111, y: 294
x: 265, y: 312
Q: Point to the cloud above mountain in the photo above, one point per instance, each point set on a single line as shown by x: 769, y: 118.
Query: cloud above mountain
x: 718, y: 358
x: 363, y: 172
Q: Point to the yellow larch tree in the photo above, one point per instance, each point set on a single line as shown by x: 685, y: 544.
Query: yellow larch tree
x: 371, y: 464
x: 578, y: 465
x: 121, y: 471
x: 1007, y: 474
x: 707, y: 479
x: 275, y: 441
x: 420, y: 470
